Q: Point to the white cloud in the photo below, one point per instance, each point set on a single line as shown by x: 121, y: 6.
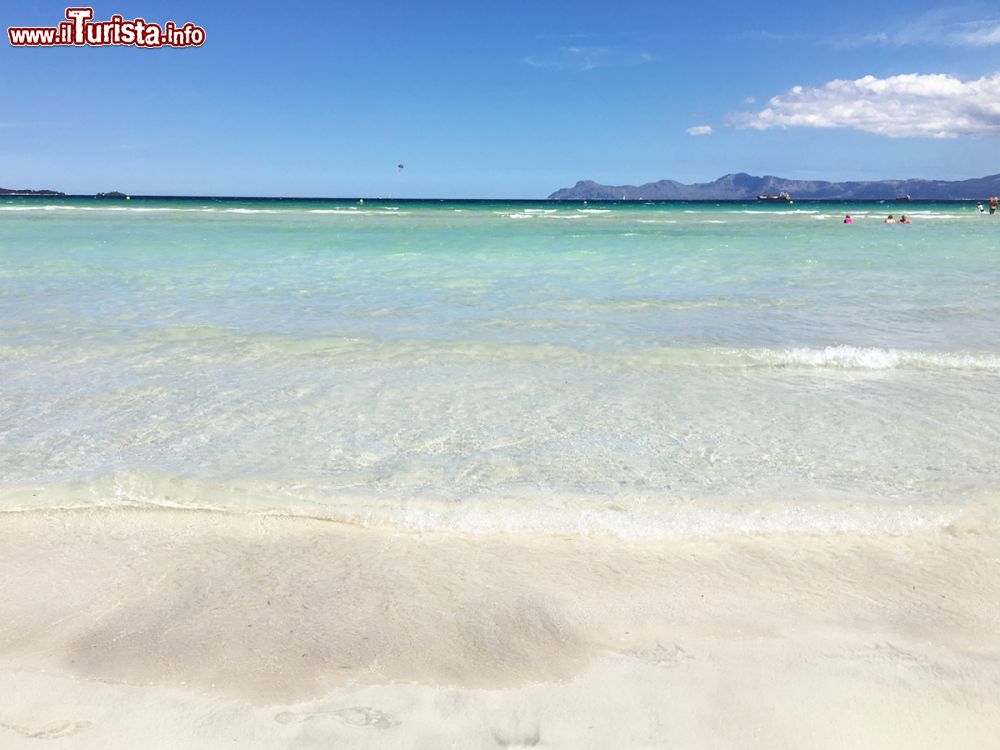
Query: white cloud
x: 750, y: 100
x: 947, y: 27
x: 979, y: 34
x: 939, y: 27
x: 904, y: 106
x: 700, y: 130
x: 771, y: 36
x: 587, y: 58
x: 858, y: 40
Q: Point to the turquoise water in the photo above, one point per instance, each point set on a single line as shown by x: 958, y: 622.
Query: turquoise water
x: 637, y: 370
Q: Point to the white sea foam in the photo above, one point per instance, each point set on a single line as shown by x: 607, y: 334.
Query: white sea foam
x: 643, y: 516
x: 221, y: 344
x: 762, y: 212
x: 528, y: 214
x: 350, y: 212
x: 873, y: 358
x: 130, y: 209
x: 209, y: 210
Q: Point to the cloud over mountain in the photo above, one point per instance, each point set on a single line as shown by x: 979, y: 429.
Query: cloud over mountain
x: 913, y: 105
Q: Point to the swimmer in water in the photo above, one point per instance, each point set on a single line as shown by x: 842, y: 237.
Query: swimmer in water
x: 904, y: 219
x: 848, y: 219
x: 889, y: 220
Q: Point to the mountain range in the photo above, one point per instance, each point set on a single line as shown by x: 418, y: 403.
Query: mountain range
x: 742, y: 186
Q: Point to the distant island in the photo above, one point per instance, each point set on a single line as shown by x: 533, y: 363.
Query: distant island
x: 744, y: 186
x: 8, y: 191
x: 55, y: 193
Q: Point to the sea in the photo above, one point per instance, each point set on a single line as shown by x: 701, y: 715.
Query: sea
x: 628, y: 370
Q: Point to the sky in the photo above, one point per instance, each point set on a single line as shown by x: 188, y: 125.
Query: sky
x: 495, y: 100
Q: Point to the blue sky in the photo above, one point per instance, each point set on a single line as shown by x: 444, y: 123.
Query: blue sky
x: 511, y: 99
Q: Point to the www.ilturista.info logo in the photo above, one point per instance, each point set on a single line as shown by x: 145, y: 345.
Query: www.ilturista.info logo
x: 80, y: 30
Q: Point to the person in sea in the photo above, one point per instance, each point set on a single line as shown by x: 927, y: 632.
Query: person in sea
x: 904, y: 219
x: 889, y: 219
x: 979, y: 206
x: 993, y: 205
x: 848, y: 219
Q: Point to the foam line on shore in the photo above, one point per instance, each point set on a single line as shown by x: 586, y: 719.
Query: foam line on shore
x: 537, y: 513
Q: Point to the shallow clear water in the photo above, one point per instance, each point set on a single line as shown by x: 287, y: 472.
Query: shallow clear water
x: 626, y: 369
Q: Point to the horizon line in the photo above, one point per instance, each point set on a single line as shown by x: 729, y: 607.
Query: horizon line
x: 362, y: 198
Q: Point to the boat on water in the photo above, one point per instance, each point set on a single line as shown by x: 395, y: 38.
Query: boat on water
x: 904, y: 197
x: 782, y: 196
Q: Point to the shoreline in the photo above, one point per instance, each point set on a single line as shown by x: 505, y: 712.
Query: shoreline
x: 308, y: 632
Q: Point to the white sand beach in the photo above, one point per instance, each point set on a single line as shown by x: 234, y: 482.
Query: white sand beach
x: 178, y: 629
x: 323, y: 428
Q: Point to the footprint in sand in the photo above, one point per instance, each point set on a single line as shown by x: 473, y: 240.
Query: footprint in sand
x: 52, y: 731
x: 518, y: 739
x: 886, y: 652
x: 662, y: 656
x: 356, y: 716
